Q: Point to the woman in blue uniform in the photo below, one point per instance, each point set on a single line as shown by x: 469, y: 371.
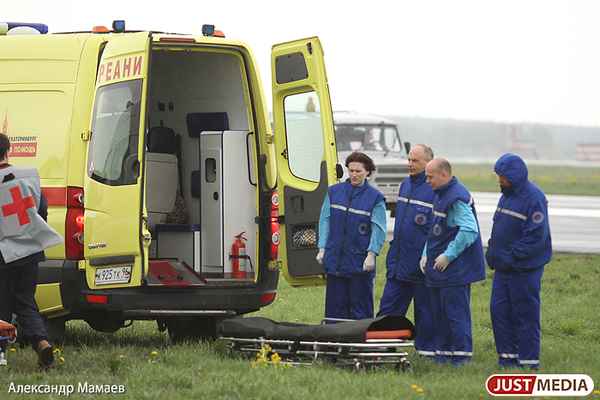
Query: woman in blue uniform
x: 352, y: 231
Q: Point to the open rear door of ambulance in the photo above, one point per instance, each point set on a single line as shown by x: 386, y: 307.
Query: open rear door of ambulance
x: 305, y: 151
x: 114, y: 231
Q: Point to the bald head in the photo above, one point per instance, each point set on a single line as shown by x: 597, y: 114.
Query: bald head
x: 438, y: 172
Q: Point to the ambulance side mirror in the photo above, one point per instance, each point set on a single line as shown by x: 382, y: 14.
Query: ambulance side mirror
x: 131, y: 169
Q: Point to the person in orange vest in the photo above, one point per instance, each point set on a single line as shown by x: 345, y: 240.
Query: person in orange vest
x: 24, y: 235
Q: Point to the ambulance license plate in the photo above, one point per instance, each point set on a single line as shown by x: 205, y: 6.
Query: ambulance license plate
x: 112, y: 275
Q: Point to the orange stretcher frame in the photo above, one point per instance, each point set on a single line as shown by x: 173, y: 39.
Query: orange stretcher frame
x: 7, y: 331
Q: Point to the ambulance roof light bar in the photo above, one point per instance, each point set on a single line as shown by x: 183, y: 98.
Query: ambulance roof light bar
x: 7, y: 26
x: 118, y: 26
x: 209, y: 30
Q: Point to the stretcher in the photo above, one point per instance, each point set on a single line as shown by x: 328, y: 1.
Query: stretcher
x: 349, y: 343
x: 7, y: 331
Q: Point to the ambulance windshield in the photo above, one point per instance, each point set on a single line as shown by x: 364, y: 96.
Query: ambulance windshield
x: 361, y: 137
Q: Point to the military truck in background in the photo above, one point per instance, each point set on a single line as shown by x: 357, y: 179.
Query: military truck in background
x: 379, y: 138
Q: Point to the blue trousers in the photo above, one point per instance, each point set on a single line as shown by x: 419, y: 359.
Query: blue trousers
x: 348, y: 298
x: 17, y: 291
x: 515, y: 312
x: 396, y: 299
x: 452, y: 313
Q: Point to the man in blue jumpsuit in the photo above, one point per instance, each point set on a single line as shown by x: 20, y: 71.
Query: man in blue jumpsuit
x: 24, y: 234
x: 519, y: 248
x: 352, y: 230
x: 405, y: 280
x: 452, y: 260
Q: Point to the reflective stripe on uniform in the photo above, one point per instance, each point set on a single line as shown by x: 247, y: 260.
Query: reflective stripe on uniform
x: 512, y: 213
x: 439, y: 214
x: 417, y: 202
x: 352, y: 210
x: 454, y: 353
x: 529, y: 362
x: 505, y: 355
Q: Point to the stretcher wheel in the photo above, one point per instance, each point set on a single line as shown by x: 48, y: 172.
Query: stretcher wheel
x: 406, y: 367
x: 360, y: 367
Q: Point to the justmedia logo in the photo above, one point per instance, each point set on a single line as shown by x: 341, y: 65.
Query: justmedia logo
x: 540, y: 385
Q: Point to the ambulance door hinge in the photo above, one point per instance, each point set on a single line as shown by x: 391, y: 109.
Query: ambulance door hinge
x: 270, y: 138
x: 86, y: 135
x: 275, y: 264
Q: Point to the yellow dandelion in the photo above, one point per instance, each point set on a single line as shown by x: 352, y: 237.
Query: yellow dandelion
x: 12, y: 350
x: 154, y: 353
x: 595, y: 391
x: 420, y: 390
x: 121, y: 356
x: 480, y: 394
x: 280, y: 299
x: 62, y: 359
x: 414, y: 387
x: 57, y: 350
x: 153, y: 362
x: 153, y: 331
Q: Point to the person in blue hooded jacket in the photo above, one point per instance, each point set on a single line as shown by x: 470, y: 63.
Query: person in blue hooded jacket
x: 452, y: 260
x: 352, y: 230
x: 405, y: 280
x: 519, y: 248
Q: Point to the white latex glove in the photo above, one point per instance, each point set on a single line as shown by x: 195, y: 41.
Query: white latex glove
x: 320, y: 255
x: 423, y: 264
x: 441, y: 262
x: 369, y: 264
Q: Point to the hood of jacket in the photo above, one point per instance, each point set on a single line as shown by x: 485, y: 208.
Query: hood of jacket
x: 513, y: 168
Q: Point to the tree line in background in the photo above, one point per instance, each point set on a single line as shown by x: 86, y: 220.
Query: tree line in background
x: 489, y: 140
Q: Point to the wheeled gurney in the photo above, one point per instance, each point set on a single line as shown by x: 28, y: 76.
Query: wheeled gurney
x: 356, y: 343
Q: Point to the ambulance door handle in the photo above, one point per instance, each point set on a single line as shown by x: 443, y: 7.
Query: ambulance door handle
x: 131, y: 169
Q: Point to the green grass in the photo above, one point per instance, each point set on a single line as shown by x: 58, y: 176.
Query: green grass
x: 551, y: 179
x: 570, y: 344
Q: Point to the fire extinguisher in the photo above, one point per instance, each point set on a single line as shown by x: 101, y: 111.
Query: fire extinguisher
x: 238, y: 250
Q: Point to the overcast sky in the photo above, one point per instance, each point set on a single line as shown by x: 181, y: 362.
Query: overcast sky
x: 494, y: 60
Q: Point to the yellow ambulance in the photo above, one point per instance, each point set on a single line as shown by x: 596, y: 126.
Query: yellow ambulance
x: 155, y: 151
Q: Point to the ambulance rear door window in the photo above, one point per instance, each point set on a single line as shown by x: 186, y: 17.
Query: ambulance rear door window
x: 113, y: 158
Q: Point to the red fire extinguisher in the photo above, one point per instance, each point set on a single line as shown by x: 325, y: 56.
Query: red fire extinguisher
x: 238, y: 250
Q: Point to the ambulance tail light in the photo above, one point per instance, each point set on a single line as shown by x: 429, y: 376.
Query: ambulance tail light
x: 74, y: 224
x: 275, y: 235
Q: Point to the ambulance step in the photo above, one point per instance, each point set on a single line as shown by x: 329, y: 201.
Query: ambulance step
x: 172, y: 273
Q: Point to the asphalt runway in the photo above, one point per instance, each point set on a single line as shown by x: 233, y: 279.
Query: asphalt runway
x: 574, y: 221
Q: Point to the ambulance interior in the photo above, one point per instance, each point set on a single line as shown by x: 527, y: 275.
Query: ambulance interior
x: 200, y: 178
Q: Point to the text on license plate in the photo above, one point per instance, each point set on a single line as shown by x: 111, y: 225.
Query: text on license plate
x: 112, y: 275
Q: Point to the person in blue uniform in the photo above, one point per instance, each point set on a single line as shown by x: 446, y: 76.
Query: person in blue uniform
x: 24, y: 234
x: 352, y: 229
x: 452, y: 260
x: 405, y: 280
x: 519, y: 248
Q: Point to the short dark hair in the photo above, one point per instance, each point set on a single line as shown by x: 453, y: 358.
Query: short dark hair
x: 367, y: 161
x: 4, y: 146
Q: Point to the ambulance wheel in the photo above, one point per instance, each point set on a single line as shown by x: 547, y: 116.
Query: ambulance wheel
x: 192, y: 329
